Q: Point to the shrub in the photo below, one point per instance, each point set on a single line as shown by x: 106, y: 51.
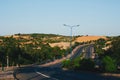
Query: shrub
x: 71, y: 64
x: 87, y: 64
x: 109, y: 64
x: 66, y: 63
x: 75, y: 63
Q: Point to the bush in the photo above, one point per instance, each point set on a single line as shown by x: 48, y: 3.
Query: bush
x: 71, y: 64
x: 75, y: 63
x: 66, y: 63
x: 78, y: 64
x: 87, y: 64
x: 109, y: 64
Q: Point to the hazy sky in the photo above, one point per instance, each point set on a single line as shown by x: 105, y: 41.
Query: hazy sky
x: 95, y: 17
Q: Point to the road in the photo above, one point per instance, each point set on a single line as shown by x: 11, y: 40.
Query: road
x: 77, y: 52
x: 35, y: 72
x: 48, y: 73
x: 88, y: 51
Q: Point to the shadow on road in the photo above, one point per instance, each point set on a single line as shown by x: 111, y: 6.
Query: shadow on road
x: 28, y: 73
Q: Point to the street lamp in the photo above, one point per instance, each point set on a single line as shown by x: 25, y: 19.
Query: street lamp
x: 71, y: 27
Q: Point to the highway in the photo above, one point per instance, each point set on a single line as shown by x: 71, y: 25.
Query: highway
x: 88, y: 51
x: 77, y: 52
x: 38, y: 72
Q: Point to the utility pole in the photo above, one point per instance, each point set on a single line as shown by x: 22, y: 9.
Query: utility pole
x: 7, y: 61
x: 71, y: 27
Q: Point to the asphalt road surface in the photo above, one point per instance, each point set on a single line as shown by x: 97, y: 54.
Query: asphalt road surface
x: 88, y: 52
x: 35, y: 72
x: 48, y: 73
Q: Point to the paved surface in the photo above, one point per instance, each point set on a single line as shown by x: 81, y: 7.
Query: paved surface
x: 6, y: 75
x: 76, y: 52
x: 48, y: 73
x: 54, y: 72
x: 88, y: 52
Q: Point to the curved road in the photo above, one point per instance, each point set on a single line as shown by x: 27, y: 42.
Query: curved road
x: 88, y: 52
x: 47, y: 73
x: 35, y: 72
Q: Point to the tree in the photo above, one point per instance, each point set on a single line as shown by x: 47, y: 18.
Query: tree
x: 116, y: 49
x: 72, y: 64
x: 12, y: 50
x: 109, y: 64
x: 101, y: 42
x: 76, y: 62
x: 2, y: 57
x: 66, y: 63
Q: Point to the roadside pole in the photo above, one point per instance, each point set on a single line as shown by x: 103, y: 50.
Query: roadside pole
x: 71, y: 27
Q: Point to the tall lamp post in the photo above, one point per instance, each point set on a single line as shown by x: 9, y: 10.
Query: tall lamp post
x: 71, y: 27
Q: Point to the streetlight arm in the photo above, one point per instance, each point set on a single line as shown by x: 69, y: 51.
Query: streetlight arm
x: 67, y: 25
x: 75, y: 26
x: 71, y: 26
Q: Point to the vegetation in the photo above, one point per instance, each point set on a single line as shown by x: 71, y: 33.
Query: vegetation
x: 109, y: 64
x: 66, y: 63
x: 79, y: 64
x: 50, y: 38
x: 107, y: 59
x: 87, y: 64
x: 115, y: 49
x: 99, y: 44
x: 28, y: 48
x: 34, y: 48
x: 110, y: 58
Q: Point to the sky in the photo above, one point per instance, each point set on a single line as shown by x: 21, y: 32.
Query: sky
x: 95, y: 17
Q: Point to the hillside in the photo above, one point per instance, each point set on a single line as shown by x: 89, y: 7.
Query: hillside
x: 37, y: 48
x: 31, y: 48
x: 37, y: 39
x: 51, y: 39
x: 62, y: 45
x: 88, y: 38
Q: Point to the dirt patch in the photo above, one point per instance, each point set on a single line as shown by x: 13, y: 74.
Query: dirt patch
x: 62, y: 45
x: 89, y: 38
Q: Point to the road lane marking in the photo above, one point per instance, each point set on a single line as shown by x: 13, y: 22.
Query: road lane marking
x: 45, y: 75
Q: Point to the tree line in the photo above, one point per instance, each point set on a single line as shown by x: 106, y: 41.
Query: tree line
x: 17, y: 54
x: 106, y: 60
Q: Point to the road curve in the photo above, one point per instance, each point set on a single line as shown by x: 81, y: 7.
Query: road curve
x: 88, y: 52
x: 35, y: 72
x: 48, y: 73
x: 57, y: 63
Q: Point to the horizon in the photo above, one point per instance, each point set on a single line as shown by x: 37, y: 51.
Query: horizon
x: 99, y: 17
x: 58, y: 34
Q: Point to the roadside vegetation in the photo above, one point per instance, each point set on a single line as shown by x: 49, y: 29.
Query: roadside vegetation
x: 79, y: 64
x: 107, y: 57
x: 22, y: 49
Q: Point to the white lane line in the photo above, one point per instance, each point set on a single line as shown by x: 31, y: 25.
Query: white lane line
x: 45, y: 75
